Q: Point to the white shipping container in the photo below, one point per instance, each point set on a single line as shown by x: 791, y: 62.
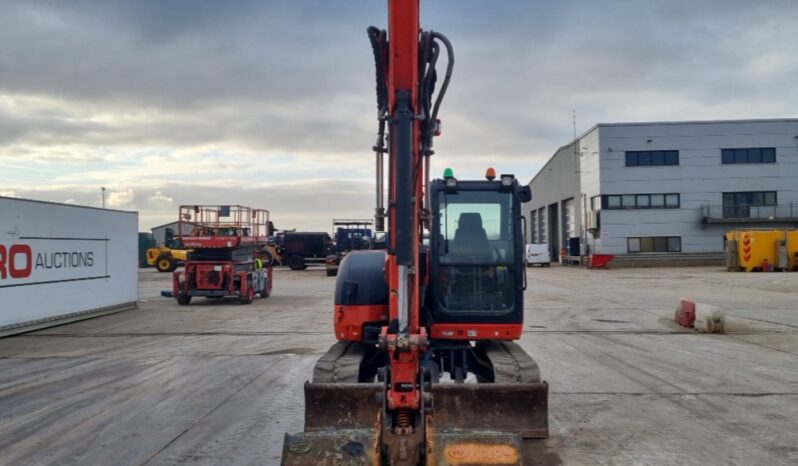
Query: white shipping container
x: 61, y: 262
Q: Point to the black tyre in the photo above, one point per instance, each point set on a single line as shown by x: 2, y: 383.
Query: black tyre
x: 332, y: 272
x: 165, y: 263
x: 267, y: 258
x: 183, y: 300
x: 249, y: 297
x: 297, y: 263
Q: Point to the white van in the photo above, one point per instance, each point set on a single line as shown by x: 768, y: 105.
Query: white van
x: 538, y: 254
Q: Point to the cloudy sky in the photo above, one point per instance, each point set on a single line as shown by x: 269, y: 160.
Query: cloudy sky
x: 271, y: 103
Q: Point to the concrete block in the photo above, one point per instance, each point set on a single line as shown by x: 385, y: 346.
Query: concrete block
x: 685, y: 313
x: 708, y: 319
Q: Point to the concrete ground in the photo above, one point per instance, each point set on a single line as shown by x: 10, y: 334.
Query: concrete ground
x: 219, y: 383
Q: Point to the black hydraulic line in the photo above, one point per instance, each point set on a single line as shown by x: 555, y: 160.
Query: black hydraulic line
x: 379, y: 45
x: 436, y: 49
x: 448, y: 77
x: 426, y: 69
x: 428, y: 55
x: 427, y: 89
x: 407, y: 172
x: 429, y: 51
x: 423, y: 59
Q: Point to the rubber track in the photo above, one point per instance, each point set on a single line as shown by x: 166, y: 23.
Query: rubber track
x: 511, y: 364
x: 340, y: 364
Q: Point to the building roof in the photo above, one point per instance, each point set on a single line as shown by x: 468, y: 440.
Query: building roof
x: 165, y: 225
x: 64, y: 204
x: 655, y: 123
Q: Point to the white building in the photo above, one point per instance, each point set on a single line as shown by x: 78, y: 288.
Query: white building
x: 159, y: 232
x: 667, y: 189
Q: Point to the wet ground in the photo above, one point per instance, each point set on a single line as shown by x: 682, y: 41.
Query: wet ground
x: 219, y: 383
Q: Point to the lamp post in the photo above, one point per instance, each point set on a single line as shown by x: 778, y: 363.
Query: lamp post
x: 103, y: 189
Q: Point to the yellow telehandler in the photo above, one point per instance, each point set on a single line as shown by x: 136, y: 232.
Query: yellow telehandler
x: 170, y: 255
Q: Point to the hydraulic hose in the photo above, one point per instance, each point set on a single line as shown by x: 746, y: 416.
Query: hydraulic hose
x: 448, y: 76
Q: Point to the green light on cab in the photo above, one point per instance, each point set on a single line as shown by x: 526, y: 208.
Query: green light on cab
x: 448, y: 173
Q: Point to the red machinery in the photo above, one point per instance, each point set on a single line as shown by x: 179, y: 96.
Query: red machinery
x: 229, y: 256
x: 425, y: 370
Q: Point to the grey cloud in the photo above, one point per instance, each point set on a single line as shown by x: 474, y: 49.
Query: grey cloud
x: 308, y: 205
x: 179, y: 53
x: 265, y: 127
x: 296, y: 77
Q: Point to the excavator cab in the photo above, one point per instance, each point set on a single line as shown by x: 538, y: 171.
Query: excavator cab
x: 477, y: 273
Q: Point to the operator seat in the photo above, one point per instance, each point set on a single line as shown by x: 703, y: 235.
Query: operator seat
x: 470, y: 238
x: 469, y: 284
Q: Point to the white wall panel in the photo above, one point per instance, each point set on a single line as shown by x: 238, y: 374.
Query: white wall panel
x: 61, y: 261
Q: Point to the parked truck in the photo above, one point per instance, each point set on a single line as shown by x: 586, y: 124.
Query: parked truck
x: 298, y: 249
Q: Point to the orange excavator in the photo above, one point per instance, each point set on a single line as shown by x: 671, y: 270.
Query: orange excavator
x: 426, y: 369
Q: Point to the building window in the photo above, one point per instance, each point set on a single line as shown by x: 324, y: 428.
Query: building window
x: 654, y: 244
x: 748, y: 155
x: 672, y: 201
x: 641, y: 201
x: 745, y: 203
x: 533, y: 227
x: 652, y: 158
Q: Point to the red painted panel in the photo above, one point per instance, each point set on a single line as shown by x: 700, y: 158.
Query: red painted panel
x: 349, y: 320
x: 477, y: 331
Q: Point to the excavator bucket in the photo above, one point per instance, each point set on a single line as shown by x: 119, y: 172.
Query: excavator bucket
x: 485, y: 424
x: 515, y: 408
x: 471, y: 424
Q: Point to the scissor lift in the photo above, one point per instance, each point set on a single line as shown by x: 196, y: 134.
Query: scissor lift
x: 229, y: 257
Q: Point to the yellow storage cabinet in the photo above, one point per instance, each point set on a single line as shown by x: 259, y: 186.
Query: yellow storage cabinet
x: 748, y: 249
x: 792, y: 248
